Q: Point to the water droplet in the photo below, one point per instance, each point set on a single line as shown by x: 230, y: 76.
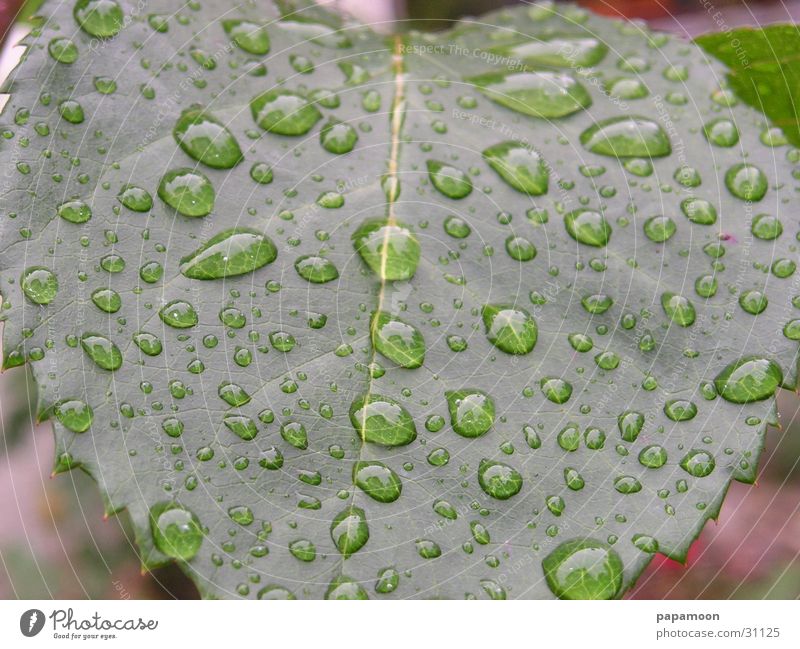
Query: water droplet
x: 753, y: 302
x: 597, y: 304
x: 135, y: 198
x: 746, y: 181
x: 456, y: 227
x: 303, y: 550
x: 390, y: 250
x: 148, y: 343
x: 499, y: 480
x: 349, y: 531
x: 233, y: 394
x: 75, y: 211
x: 378, y: 481
x: 659, y: 228
x: 233, y: 252
x: 630, y: 425
x: 275, y: 592
x: 627, y: 484
x: 39, y: 285
x: 428, y: 549
x: 250, y: 37
x: 509, y: 328
x: 63, y: 50
x: 71, y: 111
x: 99, y: 18
x: 338, y: 137
x: 627, y: 88
x: 107, y: 300
x: 583, y: 569
x: 284, y: 112
x: 317, y: 270
x: 397, y: 340
x: 588, y: 227
x: 580, y: 342
x: 749, y: 379
x: 176, y: 531
x: 678, y: 309
x: 722, y: 132
x: 627, y: 137
x: 187, y: 191
x: 381, y: 420
x: 449, y: 180
x: 344, y: 588
x: 388, y: 580
x: 74, y: 415
x: 556, y: 390
x: 698, y: 463
x: 556, y: 51
x: 471, y: 412
x: 538, y: 94
x: 102, y: 351
x: 294, y: 434
x: 766, y: 227
x: 699, y: 211
x: 653, y: 456
x: 204, y: 138
x: 178, y: 314
x: 241, y: 426
x: 520, y: 166
x: 680, y: 410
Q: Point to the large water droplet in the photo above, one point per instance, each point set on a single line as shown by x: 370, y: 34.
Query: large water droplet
x: 233, y: 252
x: 344, y: 588
x: 250, y: 37
x: 397, y: 340
x: 499, y: 480
x: 317, y: 270
x: 74, y: 415
x: 627, y: 137
x: 588, y: 227
x: 583, y: 569
x: 205, y: 139
x: 75, y: 211
x: 187, y: 191
x: 538, y: 94
x: 178, y: 314
x: 556, y: 51
x: 176, y: 531
x: 746, y: 181
x: 378, y: 481
x: 698, y: 463
x: 99, y: 18
x: 449, y: 180
x: 284, y: 112
x: 39, y: 284
x: 471, y: 412
x: 338, y: 137
x: 749, y: 379
x: 102, y: 351
x: 349, y: 530
x: 520, y: 166
x: 630, y: 425
x: 135, y: 198
x: 233, y: 394
x: 382, y: 420
x: 391, y: 251
x: 678, y: 308
x: 509, y: 328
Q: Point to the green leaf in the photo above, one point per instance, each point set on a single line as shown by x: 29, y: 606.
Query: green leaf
x: 334, y: 320
x: 763, y: 72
